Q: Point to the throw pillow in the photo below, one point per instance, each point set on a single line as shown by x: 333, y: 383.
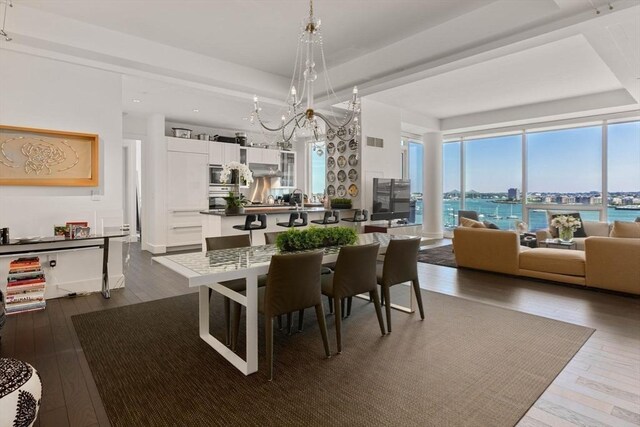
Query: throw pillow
x: 466, y: 222
x: 490, y: 225
x: 626, y: 229
x: 554, y: 231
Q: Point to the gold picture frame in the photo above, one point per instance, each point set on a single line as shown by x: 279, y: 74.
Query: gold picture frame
x: 43, y: 157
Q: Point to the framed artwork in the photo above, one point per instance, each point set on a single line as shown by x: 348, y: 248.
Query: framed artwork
x: 72, y: 225
x: 40, y: 157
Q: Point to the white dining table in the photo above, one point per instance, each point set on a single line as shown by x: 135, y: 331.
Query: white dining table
x: 205, y: 270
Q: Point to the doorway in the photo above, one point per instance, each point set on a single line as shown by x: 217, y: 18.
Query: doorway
x: 132, y: 186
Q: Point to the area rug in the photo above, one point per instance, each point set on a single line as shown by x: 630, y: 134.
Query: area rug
x: 466, y: 364
x: 442, y: 255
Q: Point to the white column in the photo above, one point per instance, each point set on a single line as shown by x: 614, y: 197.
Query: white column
x: 154, y: 186
x: 432, y: 185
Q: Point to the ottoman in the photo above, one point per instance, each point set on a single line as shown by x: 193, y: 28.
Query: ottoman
x: 20, y: 392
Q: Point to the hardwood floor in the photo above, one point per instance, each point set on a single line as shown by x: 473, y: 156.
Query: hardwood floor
x: 599, y: 387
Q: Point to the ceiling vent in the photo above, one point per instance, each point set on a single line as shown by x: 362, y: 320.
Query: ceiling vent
x: 375, y: 142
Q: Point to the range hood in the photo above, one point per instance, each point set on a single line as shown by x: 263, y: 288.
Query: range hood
x: 265, y: 170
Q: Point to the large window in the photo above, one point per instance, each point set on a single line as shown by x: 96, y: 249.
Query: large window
x: 451, y: 183
x: 318, y: 170
x: 416, y: 154
x: 565, y: 166
x: 493, y: 175
x: 623, y: 171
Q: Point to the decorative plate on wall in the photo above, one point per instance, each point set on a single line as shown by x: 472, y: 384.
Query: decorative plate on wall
x: 353, y: 160
x: 331, y: 162
x: 342, y: 191
x: 353, y: 175
x: 353, y: 190
x: 331, y: 148
x: 353, y: 145
x: 342, y: 147
x: 331, y: 191
x: 342, y: 176
x: 342, y: 161
x: 331, y: 176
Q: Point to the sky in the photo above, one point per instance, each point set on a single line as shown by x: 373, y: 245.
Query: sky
x: 563, y: 161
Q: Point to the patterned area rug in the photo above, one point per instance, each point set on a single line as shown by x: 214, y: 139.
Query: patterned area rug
x: 442, y: 255
x: 467, y: 364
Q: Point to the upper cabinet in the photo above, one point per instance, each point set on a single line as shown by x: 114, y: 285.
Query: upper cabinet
x: 262, y: 155
x: 221, y: 153
x: 288, y: 168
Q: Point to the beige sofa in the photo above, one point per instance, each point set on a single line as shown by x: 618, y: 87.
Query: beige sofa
x: 591, y: 228
x: 607, y: 262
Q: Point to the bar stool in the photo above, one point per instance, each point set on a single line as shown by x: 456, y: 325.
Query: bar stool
x: 296, y: 219
x: 330, y: 217
x: 253, y: 222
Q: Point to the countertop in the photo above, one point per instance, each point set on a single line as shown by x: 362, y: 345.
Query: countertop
x: 268, y: 210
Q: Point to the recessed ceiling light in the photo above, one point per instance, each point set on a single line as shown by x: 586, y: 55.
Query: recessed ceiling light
x: 195, y: 110
x: 136, y: 101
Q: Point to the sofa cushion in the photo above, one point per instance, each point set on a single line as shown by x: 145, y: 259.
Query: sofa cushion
x: 626, y: 229
x: 490, y: 225
x: 558, y: 261
x: 596, y: 228
x: 467, y: 222
x: 554, y: 231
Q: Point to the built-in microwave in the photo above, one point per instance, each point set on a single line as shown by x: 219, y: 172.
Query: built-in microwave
x: 215, y: 172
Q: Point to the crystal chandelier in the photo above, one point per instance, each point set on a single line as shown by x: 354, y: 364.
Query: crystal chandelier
x: 301, y: 120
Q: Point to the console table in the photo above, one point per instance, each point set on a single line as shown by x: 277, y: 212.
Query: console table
x: 61, y: 243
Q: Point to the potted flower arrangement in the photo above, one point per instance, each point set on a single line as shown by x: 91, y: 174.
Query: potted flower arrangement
x: 241, y: 173
x: 566, y: 225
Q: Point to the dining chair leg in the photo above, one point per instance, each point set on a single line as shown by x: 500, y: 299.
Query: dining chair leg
x: 323, y: 329
x: 280, y: 322
x: 227, y: 321
x: 338, y: 305
x: 381, y: 296
x: 343, y: 303
x: 300, y: 319
x: 330, y: 305
x: 268, y: 332
x: 387, y: 305
x: 349, y: 301
x: 416, y: 289
x: 289, y: 323
x: 376, y: 302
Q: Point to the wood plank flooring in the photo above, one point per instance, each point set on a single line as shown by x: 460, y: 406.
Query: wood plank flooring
x: 599, y: 387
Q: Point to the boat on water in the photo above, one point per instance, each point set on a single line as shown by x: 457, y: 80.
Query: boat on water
x: 511, y: 215
x: 495, y: 215
x: 627, y: 208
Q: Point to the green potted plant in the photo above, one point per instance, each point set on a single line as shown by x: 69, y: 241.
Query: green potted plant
x: 315, y: 237
x: 341, y: 203
x: 235, y: 203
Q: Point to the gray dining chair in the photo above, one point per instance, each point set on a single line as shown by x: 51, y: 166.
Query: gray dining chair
x: 400, y: 266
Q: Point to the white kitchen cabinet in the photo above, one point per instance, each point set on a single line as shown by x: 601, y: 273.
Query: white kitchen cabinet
x: 288, y: 168
x: 187, y: 145
x: 187, y: 195
x: 221, y: 153
x: 263, y: 155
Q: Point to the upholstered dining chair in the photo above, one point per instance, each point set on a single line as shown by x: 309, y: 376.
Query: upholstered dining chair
x: 270, y: 237
x: 400, y: 266
x: 286, y: 292
x: 355, y: 273
x: 237, y: 285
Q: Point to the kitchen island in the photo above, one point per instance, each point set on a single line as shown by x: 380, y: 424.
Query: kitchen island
x: 218, y: 223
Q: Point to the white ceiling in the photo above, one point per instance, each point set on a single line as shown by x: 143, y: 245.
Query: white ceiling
x: 262, y: 34
x: 432, y: 58
x: 562, y: 69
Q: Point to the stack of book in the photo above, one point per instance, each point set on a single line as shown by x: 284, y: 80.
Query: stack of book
x: 25, y: 286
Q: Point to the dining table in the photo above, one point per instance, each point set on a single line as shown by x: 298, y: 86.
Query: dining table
x: 205, y: 270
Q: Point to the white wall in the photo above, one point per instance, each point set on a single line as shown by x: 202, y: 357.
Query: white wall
x: 380, y: 121
x: 48, y: 94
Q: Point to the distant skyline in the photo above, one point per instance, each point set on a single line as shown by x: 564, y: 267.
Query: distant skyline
x: 565, y: 161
